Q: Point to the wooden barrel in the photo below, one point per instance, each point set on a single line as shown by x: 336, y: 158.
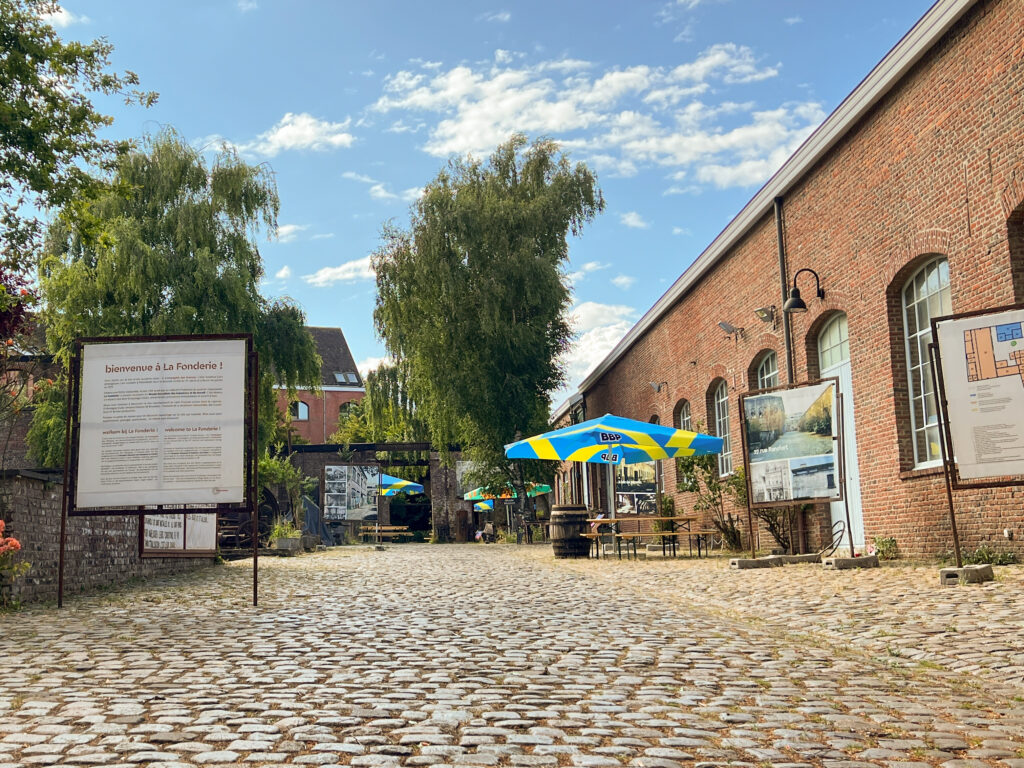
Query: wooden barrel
x: 567, y: 523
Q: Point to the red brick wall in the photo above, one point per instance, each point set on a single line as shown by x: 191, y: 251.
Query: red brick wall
x: 937, y: 167
x: 323, y: 413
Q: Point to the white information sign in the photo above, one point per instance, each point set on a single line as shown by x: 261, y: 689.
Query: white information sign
x: 982, y: 359
x: 162, y: 423
x: 195, y: 532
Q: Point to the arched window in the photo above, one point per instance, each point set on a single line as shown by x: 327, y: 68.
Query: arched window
x: 683, y: 420
x: 721, y: 406
x: 768, y: 371
x: 925, y: 295
x: 299, y: 411
x: 833, y: 343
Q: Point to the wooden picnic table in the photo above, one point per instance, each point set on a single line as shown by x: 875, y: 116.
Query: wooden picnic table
x: 669, y: 537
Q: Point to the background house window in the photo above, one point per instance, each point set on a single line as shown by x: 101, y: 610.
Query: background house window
x: 683, y: 416
x: 721, y: 403
x: 299, y: 411
x: 926, y: 295
x: 768, y: 371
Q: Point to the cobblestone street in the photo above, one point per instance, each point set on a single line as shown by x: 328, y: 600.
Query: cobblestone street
x: 495, y: 655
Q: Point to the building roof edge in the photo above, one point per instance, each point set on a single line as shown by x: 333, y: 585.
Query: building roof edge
x: 885, y: 75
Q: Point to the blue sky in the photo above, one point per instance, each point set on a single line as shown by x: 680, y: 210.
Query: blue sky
x: 683, y: 108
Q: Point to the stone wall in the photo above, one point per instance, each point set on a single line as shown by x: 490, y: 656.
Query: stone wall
x: 100, y: 550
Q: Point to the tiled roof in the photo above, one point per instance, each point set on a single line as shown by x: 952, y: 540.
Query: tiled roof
x: 337, y: 359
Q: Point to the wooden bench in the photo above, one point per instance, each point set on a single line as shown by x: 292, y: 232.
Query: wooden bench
x: 704, y: 538
x: 384, y: 531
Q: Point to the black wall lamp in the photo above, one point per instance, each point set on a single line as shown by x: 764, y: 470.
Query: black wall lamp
x: 794, y: 303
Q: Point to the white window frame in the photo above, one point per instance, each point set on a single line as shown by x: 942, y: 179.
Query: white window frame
x: 935, y: 302
x: 301, y: 411
x: 721, y: 406
x: 826, y: 345
x: 685, y: 419
x: 768, y: 371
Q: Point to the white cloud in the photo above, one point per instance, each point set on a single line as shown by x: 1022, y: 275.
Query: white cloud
x: 501, y: 17
x: 300, y: 131
x: 623, y: 281
x: 634, y: 220
x: 793, y: 20
x: 591, y: 266
x: 349, y: 272
x: 619, y: 120
x: 600, y: 326
x: 283, y: 273
x: 412, y: 194
x: 380, y: 192
x: 247, y: 5
x: 286, y: 233
x: 378, y: 189
x: 371, y: 364
x: 63, y: 18
x: 323, y: 236
x: 681, y: 231
x: 589, y: 315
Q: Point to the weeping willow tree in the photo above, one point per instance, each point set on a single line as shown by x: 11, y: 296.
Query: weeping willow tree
x: 171, y: 249
x: 472, y: 300
x: 387, y: 414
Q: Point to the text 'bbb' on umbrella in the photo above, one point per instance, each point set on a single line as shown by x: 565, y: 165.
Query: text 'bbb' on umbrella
x: 614, y: 440
x: 389, y: 486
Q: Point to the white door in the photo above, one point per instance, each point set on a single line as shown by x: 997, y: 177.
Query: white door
x: 834, y: 360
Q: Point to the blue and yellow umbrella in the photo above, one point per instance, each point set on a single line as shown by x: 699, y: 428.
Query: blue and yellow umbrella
x: 389, y: 486
x: 481, y: 506
x: 532, y: 489
x: 614, y: 440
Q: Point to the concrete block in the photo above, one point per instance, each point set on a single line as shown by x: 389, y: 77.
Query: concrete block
x: 744, y: 563
x: 845, y: 563
x: 969, y: 574
x: 796, y: 559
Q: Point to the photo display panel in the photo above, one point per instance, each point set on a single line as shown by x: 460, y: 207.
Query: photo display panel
x: 791, y: 444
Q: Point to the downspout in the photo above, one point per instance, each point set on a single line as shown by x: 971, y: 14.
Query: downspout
x: 787, y: 339
x: 787, y: 336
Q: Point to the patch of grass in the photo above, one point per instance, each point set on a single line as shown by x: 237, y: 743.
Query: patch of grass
x: 926, y: 664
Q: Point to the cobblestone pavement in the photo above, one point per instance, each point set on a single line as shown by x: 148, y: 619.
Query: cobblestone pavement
x: 897, y: 612
x: 477, y: 656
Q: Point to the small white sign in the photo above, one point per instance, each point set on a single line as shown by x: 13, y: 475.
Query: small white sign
x: 162, y: 423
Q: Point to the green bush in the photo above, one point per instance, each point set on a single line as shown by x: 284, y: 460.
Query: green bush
x: 986, y: 555
x: 885, y: 547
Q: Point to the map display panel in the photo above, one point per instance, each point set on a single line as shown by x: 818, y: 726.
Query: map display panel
x: 982, y: 359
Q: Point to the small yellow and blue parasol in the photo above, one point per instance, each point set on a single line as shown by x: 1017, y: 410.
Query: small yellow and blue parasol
x: 389, y: 486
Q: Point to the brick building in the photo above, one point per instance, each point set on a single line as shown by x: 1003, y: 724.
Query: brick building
x: 315, y: 417
x: 908, y: 203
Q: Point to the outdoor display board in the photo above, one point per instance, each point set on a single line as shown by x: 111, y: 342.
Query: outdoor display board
x: 188, y: 534
x: 162, y: 423
x: 351, y: 491
x: 636, y: 489
x: 981, y: 361
x: 791, y: 444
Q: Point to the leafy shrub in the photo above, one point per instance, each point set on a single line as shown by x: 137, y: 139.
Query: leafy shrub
x: 885, y: 547
x: 986, y: 555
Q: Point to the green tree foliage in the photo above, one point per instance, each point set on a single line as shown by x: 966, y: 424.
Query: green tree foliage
x: 699, y: 475
x: 48, y: 125
x: 175, y: 254
x: 472, y: 301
